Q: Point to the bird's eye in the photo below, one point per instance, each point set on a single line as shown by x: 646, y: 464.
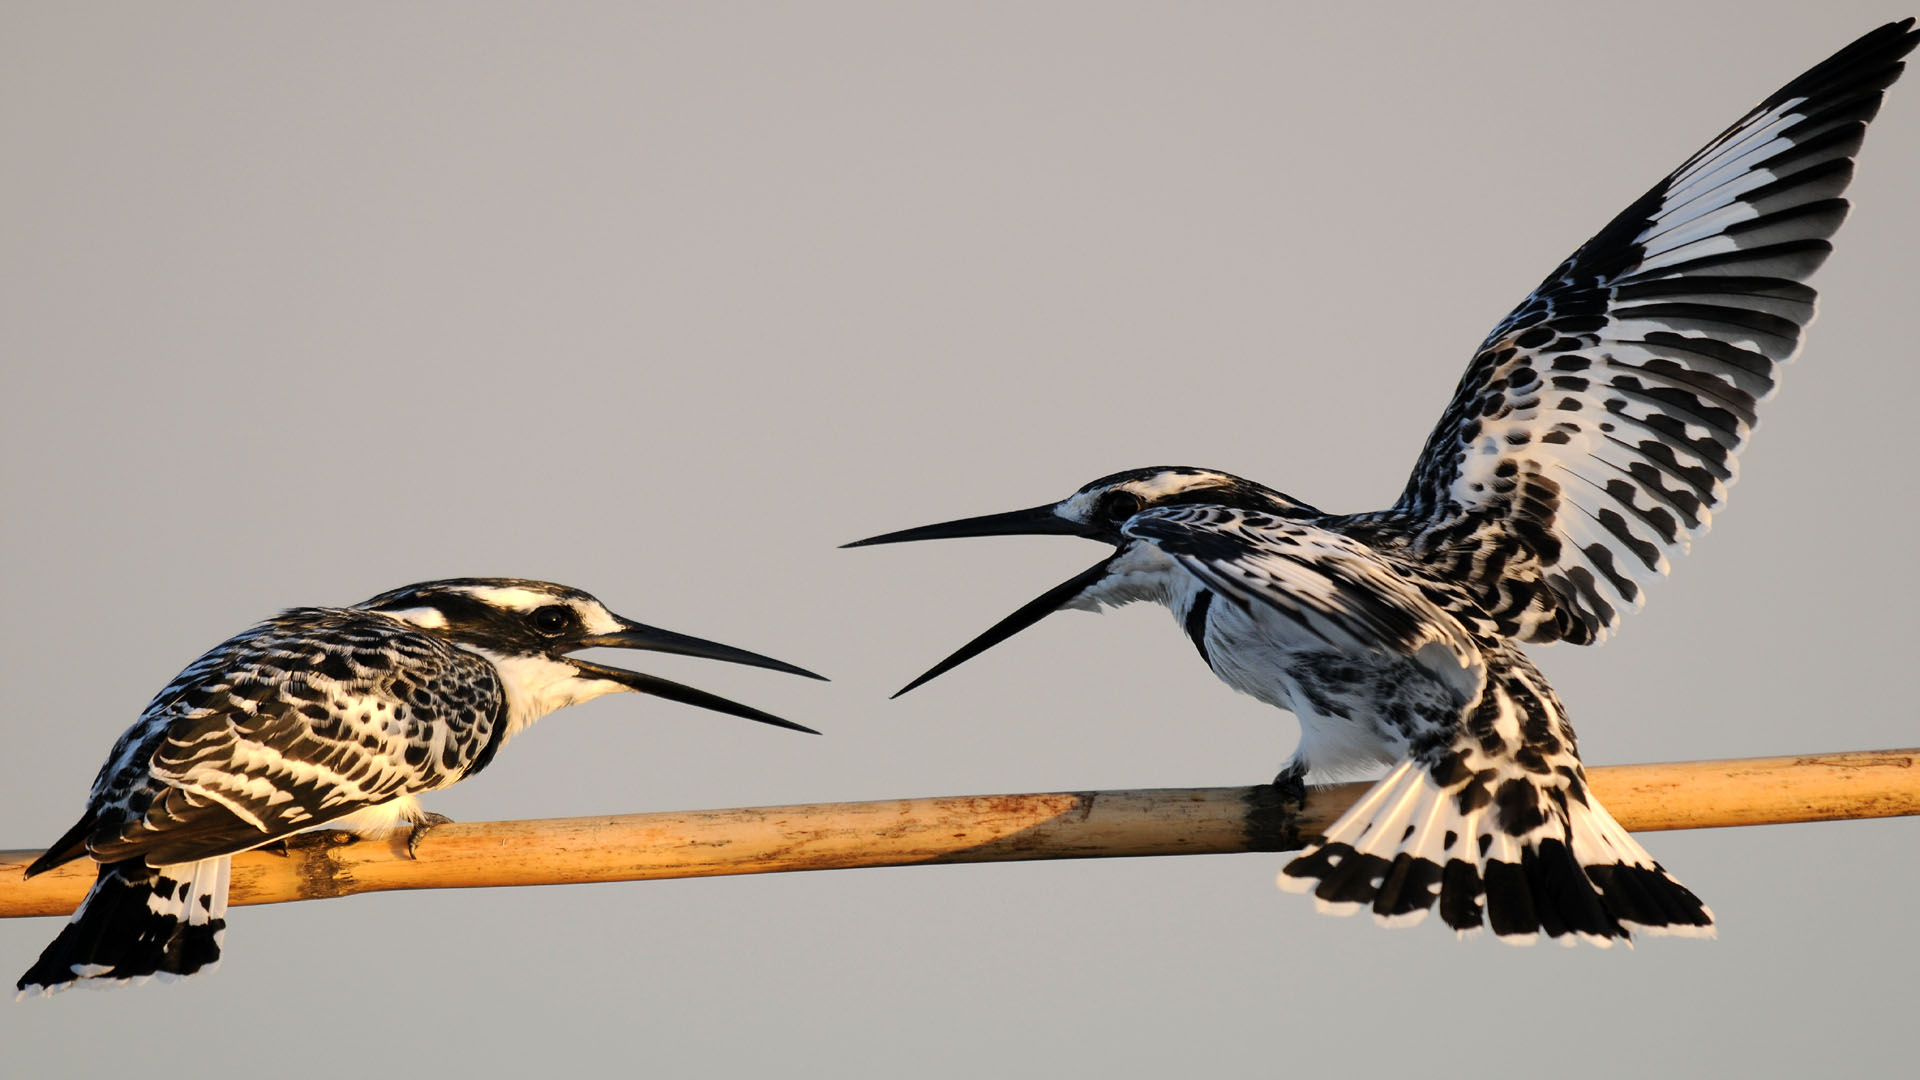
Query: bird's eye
x: 1118, y: 506
x: 554, y: 619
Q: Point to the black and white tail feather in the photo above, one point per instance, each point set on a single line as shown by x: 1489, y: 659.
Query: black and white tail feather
x: 1510, y: 841
x: 1590, y: 438
x: 1407, y: 850
x: 139, y: 922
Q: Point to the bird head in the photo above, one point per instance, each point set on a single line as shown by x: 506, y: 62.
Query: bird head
x: 529, y: 631
x: 1097, y: 511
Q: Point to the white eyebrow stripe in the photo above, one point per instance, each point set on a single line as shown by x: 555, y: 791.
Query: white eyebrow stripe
x: 513, y: 597
x: 427, y: 618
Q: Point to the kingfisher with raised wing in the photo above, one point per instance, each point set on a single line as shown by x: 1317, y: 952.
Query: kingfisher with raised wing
x: 1593, y: 434
x: 327, y: 717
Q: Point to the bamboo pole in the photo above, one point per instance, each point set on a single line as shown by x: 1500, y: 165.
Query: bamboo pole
x: 977, y: 828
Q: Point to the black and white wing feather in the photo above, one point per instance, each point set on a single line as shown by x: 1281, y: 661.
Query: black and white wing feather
x: 301, y: 720
x: 1596, y: 430
x: 1334, y: 590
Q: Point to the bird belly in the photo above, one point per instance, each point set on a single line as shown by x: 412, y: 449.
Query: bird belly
x: 1341, y: 737
x: 1358, y: 711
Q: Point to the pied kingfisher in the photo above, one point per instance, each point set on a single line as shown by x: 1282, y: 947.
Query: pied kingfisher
x: 1591, y: 437
x: 334, y: 717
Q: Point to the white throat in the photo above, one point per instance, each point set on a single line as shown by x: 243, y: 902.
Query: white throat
x: 1142, y: 572
x: 537, y: 685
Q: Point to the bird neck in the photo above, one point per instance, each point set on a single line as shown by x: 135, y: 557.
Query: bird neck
x: 537, y: 685
x: 1138, y: 572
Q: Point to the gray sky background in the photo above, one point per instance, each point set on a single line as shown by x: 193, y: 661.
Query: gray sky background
x: 298, y: 304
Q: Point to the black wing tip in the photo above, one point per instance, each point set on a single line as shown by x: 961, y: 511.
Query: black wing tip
x: 1898, y: 37
x: 1871, y: 62
x: 71, y: 845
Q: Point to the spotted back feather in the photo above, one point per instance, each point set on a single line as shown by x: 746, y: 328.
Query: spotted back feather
x: 307, y: 717
x: 300, y: 721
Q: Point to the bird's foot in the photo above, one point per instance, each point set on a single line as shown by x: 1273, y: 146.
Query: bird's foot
x: 1291, y: 785
x: 1273, y: 812
x: 419, y: 829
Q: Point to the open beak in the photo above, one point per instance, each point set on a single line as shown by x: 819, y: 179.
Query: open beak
x: 1032, y: 612
x: 1033, y: 521
x: 633, y: 635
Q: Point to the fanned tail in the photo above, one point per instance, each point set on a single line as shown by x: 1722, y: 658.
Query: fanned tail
x: 1540, y: 856
x: 138, y: 921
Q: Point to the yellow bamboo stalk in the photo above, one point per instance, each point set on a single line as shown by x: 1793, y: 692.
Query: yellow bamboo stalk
x: 975, y: 828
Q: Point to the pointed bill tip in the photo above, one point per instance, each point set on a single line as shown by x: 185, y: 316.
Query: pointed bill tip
x: 686, y: 695
x: 1029, y: 613
x: 926, y: 677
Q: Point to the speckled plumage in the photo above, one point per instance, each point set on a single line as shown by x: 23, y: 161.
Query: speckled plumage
x: 1590, y: 438
x: 1596, y: 429
x: 322, y: 716
x: 307, y: 717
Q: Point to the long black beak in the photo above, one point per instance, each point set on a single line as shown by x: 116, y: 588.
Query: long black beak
x: 635, y: 635
x: 1032, y: 612
x: 1033, y: 521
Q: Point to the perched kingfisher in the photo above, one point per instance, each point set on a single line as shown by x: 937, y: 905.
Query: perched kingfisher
x: 333, y: 717
x: 1592, y: 435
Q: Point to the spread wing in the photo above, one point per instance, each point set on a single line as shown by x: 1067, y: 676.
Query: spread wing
x: 1596, y: 430
x: 299, y: 721
x: 1333, y: 590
